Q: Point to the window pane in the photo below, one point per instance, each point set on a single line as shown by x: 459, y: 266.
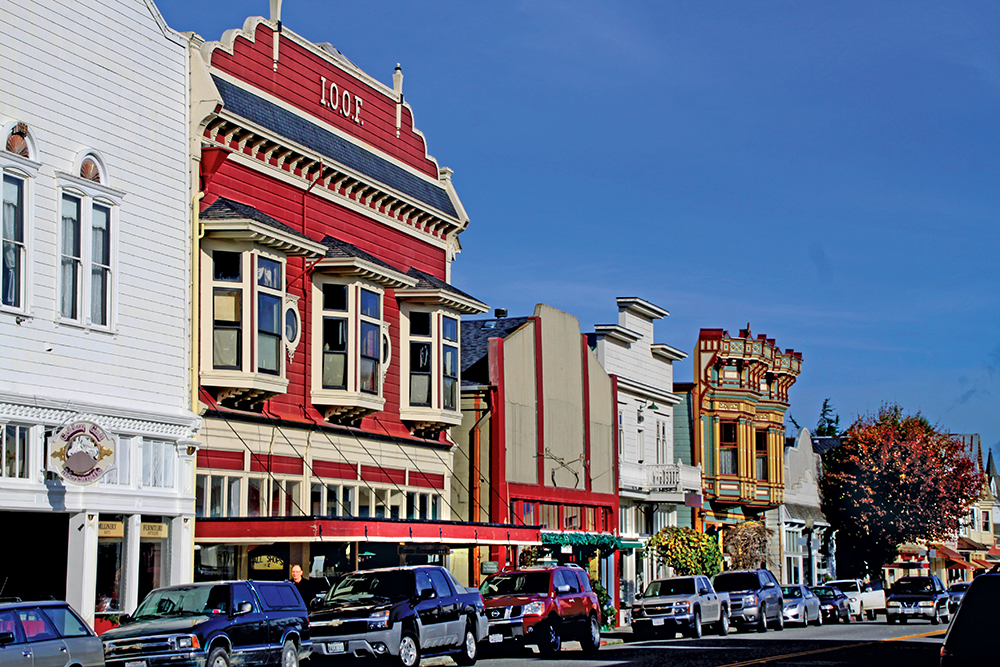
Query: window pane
x: 420, y: 389
x: 233, y: 504
x: 99, y: 278
x: 727, y: 462
x: 420, y: 324
x: 226, y: 344
x: 449, y: 393
x: 201, y: 481
x: 268, y: 273
x: 347, y: 501
x: 369, y: 376
x: 71, y: 226
x: 450, y: 361
x: 293, y: 501
x: 364, y: 502
x: 335, y: 297
x: 334, y: 335
x: 215, y: 504
x: 449, y: 329
x: 268, y: 333
x: 370, y: 304
x: 332, y: 501
x: 291, y: 324
x: 334, y: 370
x: 70, y: 261
x: 147, y: 463
x: 275, y: 498
x: 13, y: 241
x: 227, y: 266
x: 253, y: 496
x: 13, y: 209
x: 100, y: 235
x: 369, y: 340
x: 269, y: 314
x: 269, y: 353
x: 420, y: 357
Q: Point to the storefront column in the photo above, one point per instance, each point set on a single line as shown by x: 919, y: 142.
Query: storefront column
x: 130, y: 563
x: 81, y: 564
x: 181, y: 559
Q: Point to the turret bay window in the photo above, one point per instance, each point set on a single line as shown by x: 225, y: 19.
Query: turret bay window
x: 250, y: 324
x: 760, y: 458
x: 18, y: 170
x: 727, y: 448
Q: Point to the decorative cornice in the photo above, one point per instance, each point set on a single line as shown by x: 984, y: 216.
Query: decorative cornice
x: 667, y: 352
x: 356, y: 266
x: 255, y: 232
x: 618, y: 333
x: 121, y: 425
x: 641, y: 307
x: 441, y: 297
x: 645, y: 390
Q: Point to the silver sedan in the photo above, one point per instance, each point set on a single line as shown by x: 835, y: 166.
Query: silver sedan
x: 801, y: 606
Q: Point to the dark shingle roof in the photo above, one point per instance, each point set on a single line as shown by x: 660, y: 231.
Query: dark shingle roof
x: 227, y: 209
x: 475, y: 344
x: 338, y: 248
x: 287, y: 124
x: 823, y: 445
x: 427, y: 281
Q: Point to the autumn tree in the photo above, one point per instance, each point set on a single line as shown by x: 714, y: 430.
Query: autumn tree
x: 895, y: 479
x: 829, y: 421
x: 746, y: 545
x: 686, y: 550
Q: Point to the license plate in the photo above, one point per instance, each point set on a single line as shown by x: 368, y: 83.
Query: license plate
x: 332, y: 647
x: 905, y: 611
x: 135, y: 663
x: 657, y: 621
x: 496, y: 639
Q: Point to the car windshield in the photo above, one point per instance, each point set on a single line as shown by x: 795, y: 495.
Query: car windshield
x: 737, y: 581
x: 670, y: 587
x: 517, y: 583
x: 959, y: 588
x: 185, y: 601
x: 845, y: 586
x: 791, y: 591
x: 825, y: 593
x: 390, y: 585
x: 916, y: 585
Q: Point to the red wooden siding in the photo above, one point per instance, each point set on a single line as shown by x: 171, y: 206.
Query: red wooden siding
x: 273, y: 463
x: 219, y: 459
x: 383, y: 475
x: 335, y: 469
x: 429, y: 480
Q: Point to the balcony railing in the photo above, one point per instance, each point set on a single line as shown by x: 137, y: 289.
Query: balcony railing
x: 672, y: 477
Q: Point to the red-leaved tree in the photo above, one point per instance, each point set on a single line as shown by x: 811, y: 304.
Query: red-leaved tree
x: 895, y: 479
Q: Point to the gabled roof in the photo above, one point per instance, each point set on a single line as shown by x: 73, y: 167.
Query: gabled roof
x: 345, y: 258
x: 287, y: 124
x: 226, y: 218
x: 430, y: 289
x: 823, y: 445
x: 475, y: 344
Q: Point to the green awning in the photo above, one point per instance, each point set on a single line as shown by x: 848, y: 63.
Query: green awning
x: 631, y: 544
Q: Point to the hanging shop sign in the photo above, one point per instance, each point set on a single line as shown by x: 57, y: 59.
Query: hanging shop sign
x: 267, y: 562
x: 153, y: 531
x: 82, y: 452
x: 110, y: 529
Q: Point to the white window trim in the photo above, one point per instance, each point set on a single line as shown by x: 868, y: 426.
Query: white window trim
x: 35, y: 453
x: 352, y: 395
x: 435, y: 412
x: 247, y: 376
x: 26, y: 170
x: 90, y: 194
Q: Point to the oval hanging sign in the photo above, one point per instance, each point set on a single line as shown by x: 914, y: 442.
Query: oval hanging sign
x: 81, y: 452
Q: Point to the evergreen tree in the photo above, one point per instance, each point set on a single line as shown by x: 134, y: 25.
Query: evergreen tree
x: 829, y: 421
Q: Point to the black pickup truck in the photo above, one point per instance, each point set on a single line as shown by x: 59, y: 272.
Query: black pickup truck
x: 216, y: 624
x: 401, y: 613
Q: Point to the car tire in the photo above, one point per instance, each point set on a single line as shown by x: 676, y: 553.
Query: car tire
x: 722, y: 627
x: 218, y: 657
x: 289, y: 654
x: 694, y: 630
x: 861, y: 614
x: 936, y: 617
x: 762, y: 623
x: 550, y: 642
x: 903, y: 620
x: 819, y: 618
x: 779, y: 622
x: 872, y: 614
x: 409, y: 650
x: 591, y: 639
x: 847, y: 616
x: 468, y: 652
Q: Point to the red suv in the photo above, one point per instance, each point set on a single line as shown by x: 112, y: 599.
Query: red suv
x: 543, y: 606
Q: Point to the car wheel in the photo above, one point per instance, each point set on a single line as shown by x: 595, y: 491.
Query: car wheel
x: 819, y: 618
x: 891, y: 620
x: 762, y: 624
x: 722, y: 627
x: 779, y: 622
x: 550, y: 642
x: 903, y: 620
x: 591, y: 641
x: 289, y: 654
x: 218, y: 657
x: 847, y: 616
x: 469, y: 650
x: 409, y: 650
x: 694, y: 630
x: 872, y: 614
x: 936, y: 618
x: 861, y: 614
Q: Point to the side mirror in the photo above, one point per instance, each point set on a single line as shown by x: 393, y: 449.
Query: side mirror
x: 125, y: 619
x: 769, y: 584
x: 6, y: 638
x: 702, y: 591
x: 243, y: 608
x: 638, y: 596
x: 564, y: 588
x: 428, y: 594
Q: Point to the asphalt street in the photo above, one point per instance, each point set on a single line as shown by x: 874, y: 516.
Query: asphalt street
x: 869, y: 643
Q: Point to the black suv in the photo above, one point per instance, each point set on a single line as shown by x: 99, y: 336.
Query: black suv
x: 918, y: 597
x: 218, y: 623
x: 399, y: 613
x: 754, y: 597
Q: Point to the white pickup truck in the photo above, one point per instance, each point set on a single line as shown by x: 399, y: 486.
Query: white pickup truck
x: 866, y: 599
x: 682, y: 604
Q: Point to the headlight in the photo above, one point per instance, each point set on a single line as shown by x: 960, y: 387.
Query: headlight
x: 926, y: 603
x: 636, y: 611
x: 682, y: 606
x: 749, y: 600
x: 379, y: 619
x: 534, y: 609
x: 186, y: 642
x: 892, y: 603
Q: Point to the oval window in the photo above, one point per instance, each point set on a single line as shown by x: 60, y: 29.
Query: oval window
x: 291, y: 325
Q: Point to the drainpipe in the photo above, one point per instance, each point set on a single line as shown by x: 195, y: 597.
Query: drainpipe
x: 197, y: 232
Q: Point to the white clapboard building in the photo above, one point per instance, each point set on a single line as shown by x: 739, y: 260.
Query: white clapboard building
x: 96, y: 432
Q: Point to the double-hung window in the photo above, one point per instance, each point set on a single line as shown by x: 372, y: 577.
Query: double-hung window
x: 18, y: 171
x: 449, y: 370
x: 227, y: 310
x: 335, y: 325
x: 727, y: 448
x: 760, y: 447
x: 430, y: 396
x: 158, y: 462
x: 371, y: 335
x: 270, y: 289
x: 15, y: 447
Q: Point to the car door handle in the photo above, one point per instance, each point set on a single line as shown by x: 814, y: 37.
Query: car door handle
x: 26, y: 654
x: 62, y: 649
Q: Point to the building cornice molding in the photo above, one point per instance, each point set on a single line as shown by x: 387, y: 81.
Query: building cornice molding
x: 122, y: 421
x: 618, y: 333
x: 645, y: 390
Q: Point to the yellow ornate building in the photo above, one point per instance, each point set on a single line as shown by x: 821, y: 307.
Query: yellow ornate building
x: 738, y: 404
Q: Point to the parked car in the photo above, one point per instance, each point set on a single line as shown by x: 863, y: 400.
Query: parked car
x: 866, y: 599
x: 833, y: 604
x: 918, y: 597
x: 213, y: 624
x: 543, y: 606
x: 755, y: 598
x: 46, y: 633
x: 801, y: 605
x: 970, y: 639
x: 680, y: 604
x: 404, y: 613
x: 956, y: 592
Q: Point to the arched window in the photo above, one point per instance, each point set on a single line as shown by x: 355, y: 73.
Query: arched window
x: 89, y: 170
x: 18, y: 171
x: 17, y: 141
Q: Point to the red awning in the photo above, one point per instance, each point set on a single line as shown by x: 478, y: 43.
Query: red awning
x: 313, y: 529
x: 945, y: 552
x: 959, y: 564
x: 982, y: 563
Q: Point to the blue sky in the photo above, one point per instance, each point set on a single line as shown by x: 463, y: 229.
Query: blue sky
x: 827, y: 172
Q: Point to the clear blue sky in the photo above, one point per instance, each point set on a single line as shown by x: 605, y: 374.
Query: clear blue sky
x: 827, y: 172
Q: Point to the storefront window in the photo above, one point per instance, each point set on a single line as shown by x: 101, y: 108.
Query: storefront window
x: 254, y: 485
x: 215, y: 562
x: 109, y: 564
x: 153, y: 534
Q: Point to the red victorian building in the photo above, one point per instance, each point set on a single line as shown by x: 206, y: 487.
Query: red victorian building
x: 329, y: 337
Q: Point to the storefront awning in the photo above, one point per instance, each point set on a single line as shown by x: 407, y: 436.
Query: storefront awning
x: 581, y: 538
x: 945, y: 552
x: 959, y: 564
x: 315, y: 529
x: 982, y: 563
x: 631, y: 544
